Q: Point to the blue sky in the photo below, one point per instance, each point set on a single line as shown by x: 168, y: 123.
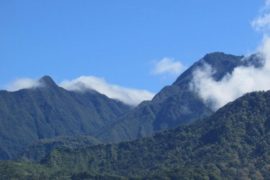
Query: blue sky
x: 119, y: 40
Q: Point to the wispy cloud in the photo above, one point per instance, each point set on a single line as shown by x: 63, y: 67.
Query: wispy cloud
x: 127, y: 95
x: 23, y: 83
x: 167, y: 66
x: 262, y: 21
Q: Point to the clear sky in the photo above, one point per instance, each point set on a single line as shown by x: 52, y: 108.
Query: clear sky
x: 119, y: 40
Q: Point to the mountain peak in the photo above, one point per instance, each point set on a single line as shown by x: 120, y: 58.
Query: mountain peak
x: 220, y: 56
x: 222, y: 63
x: 47, y: 81
x: 216, y: 53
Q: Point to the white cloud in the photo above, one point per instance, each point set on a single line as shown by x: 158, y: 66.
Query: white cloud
x: 242, y: 80
x: 262, y: 21
x: 126, y: 95
x: 168, y: 66
x: 23, y: 83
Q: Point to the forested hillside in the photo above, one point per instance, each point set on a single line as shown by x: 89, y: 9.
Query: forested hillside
x: 233, y: 143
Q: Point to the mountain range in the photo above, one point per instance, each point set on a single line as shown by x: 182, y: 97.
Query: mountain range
x: 51, y: 133
x: 49, y: 111
x: 233, y: 143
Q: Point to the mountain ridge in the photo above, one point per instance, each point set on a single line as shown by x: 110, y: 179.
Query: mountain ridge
x: 233, y: 143
x: 176, y: 104
x: 49, y: 111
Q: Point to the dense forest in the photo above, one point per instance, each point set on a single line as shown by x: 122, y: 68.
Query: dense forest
x: 233, y: 143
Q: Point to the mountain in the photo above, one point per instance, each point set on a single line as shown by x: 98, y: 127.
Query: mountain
x: 233, y: 143
x: 176, y: 104
x: 42, y: 148
x: 49, y: 111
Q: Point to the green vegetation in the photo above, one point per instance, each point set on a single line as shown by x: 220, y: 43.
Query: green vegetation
x: 48, y: 112
x: 57, y: 134
x: 42, y: 148
x: 234, y: 143
x: 29, y: 115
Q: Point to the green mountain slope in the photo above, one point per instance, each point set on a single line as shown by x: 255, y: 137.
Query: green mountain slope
x: 40, y: 149
x: 30, y: 115
x: 46, y: 112
x: 49, y: 111
x: 233, y: 143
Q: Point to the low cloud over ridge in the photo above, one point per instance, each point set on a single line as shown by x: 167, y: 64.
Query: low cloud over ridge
x: 23, y: 83
x: 126, y: 95
x: 243, y: 79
